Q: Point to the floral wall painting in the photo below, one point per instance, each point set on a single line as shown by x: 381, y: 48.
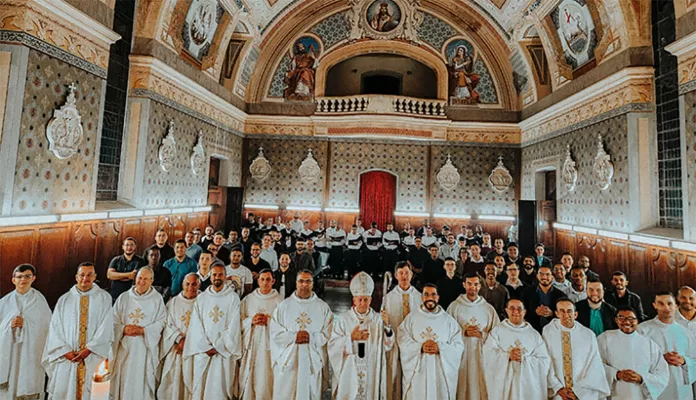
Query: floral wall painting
x: 199, y: 27
x: 462, y: 79
x: 576, y: 31
x: 383, y: 15
x: 300, y: 78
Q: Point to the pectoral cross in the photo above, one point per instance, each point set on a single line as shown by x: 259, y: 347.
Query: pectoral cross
x: 303, y: 320
x: 428, y: 334
x: 186, y: 318
x: 518, y: 345
x: 136, y: 316
x: 216, y: 314
x: 473, y: 322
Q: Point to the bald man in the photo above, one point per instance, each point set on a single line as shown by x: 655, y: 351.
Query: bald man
x: 686, y: 313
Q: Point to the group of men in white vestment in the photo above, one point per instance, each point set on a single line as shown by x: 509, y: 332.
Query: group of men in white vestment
x: 211, y: 345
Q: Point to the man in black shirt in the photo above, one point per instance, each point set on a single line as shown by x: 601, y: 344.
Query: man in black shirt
x: 584, y: 262
x: 208, y: 238
x: 433, y: 268
x: 162, y: 282
x: 301, y: 258
x: 285, y: 276
x: 123, y: 268
x: 622, y: 297
x: 417, y: 256
x: 223, y: 252
x: 540, y: 299
x: 255, y: 263
x: 449, y: 286
x: 165, y: 250
x: 528, y: 272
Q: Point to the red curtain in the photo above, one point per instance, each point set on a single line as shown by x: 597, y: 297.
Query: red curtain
x: 377, y: 198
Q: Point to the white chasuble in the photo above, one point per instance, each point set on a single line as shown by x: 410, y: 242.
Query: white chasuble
x: 472, y: 383
x: 135, y: 359
x: 171, y: 385
x: 511, y: 380
x: 359, y: 376
x: 255, y: 372
x: 575, y: 361
x: 636, y: 352
x: 214, y: 325
x: 430, y: 376
x: 399, y: 304
x: 298, y: 369
x: 21, y: 374
x: 674, y: 337
x: 81, y: 320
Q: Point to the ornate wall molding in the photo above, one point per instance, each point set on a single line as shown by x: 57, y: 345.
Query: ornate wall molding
x: 260, y: 168
x: 64, y: 130
x: 448, y: 177
x: 198, y: 156
x: 167, y: 149
x: 309, y: 170
x: 627, y: 87
x: 151, y: 74
x: 60, y: 24
x: 569, y: 174
x: 603, y: 168
x: 685, y: 50
x: 500, y: 178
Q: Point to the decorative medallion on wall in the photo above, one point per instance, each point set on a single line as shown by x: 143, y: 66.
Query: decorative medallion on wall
x: 200, y: 24
x: 309, y: 169
x: 500, y: 178
x: 260, y: 168
x: 167, y: 149
x: 569, y: 173
x: 64, y: 130
x: 603, y: 169
x: 198, y: 156
x: 384, y: 19
x: 448, y: 177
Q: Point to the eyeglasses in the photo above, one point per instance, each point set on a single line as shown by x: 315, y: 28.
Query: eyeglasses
x: 305, y: 281
x: 25, y: 276
x: 513, y: 269
x: 629, y: 319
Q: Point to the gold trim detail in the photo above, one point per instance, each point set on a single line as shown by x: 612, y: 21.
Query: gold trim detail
x: 81, y: 368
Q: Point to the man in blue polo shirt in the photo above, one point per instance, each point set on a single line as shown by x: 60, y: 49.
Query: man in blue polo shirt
x: 180, y: 266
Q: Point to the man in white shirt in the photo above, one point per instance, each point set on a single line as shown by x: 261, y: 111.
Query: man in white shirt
x: 267, y: 252
x: 578, y: 285
x: 428, y: 238
x: 678, y: 347
x: 576, y: 366
x: 353, y: 259
x: 24, y: 321
x: 634, y: 365
x: 559, y: 278
x: 239, y: 275
x: 390, y: 243
x: 336, y: 238
x: 450, y: 249
x: 373, y: 243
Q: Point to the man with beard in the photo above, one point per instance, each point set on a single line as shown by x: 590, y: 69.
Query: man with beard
x: 450, y: 248
x: 166, y: 251
x: 515, y: 360
x: 79, y: 337
x: 208, y: 237
x: 431, y: 347
x: 163, y: 278
x: 24, y: 321
x: 300, y: 329
x: 301, y: 258
x: 241, y: 275
x: 433, y: 269
x: 500, y: 273
x: 122, y: 269
x: 398, y: 304
x: 246, y: 241
x: 336, y: 237
x: 594, y: 312
x: 193, y: 250
x: 493, y: 291
x: 498, y: 250
x: 576, y: 366
x: 540, y: 299
x: 577, y: 291
x: 677, y: 345
x: 358, y: 346
x: 255, y: 372
x: 255, y: 263
x: 179, y: 310
x: 621, y: 296
x: 382, y: 21
x: 139, y: 317
x: 513, y: 254
x: 390, y: 243
x: 477, y: 318
x: 528, y: 272
x: 686, y: 313
x: 285, y: 277
x: 214, y: 340
x: 634, y: 365
x: 584, y: 262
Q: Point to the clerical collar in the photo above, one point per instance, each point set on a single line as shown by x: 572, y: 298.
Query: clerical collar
x: 135, y: 292
x: 85, y: 291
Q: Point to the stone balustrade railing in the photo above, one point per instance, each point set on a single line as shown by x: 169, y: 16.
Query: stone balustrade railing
x: 381, y: 104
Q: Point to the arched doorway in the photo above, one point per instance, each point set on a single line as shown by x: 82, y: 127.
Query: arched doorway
x: 377, y: 197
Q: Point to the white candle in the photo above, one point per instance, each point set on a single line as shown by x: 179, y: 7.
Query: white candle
x: 100, y: 390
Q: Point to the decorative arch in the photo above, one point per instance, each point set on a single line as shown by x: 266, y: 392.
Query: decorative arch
x: 426, y: 57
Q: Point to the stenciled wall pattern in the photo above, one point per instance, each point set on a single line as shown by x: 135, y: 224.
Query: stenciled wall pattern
x: 407, y: 160
x: 179, y: 187
x: 45, y: 184
x: 283, y: 186
x: 473, y: 194
x: 587, y: 205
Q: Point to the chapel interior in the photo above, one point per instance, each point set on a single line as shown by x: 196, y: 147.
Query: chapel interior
x: 566, y: 122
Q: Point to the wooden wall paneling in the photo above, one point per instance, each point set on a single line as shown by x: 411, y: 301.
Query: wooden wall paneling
x: 82, y: 243
x: 595, y: 249
x: 15, y: 248
x: 109, y: 245
x: 134, y: 228
x: 663, y: 267
x: 687, y: 273
x: 177, y: 227
x: 639, y: 273
x: 51, y: 260
x: 617, y: 256
x: 565, y: 242
x: 195, y: 220
x: 148, y: 230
